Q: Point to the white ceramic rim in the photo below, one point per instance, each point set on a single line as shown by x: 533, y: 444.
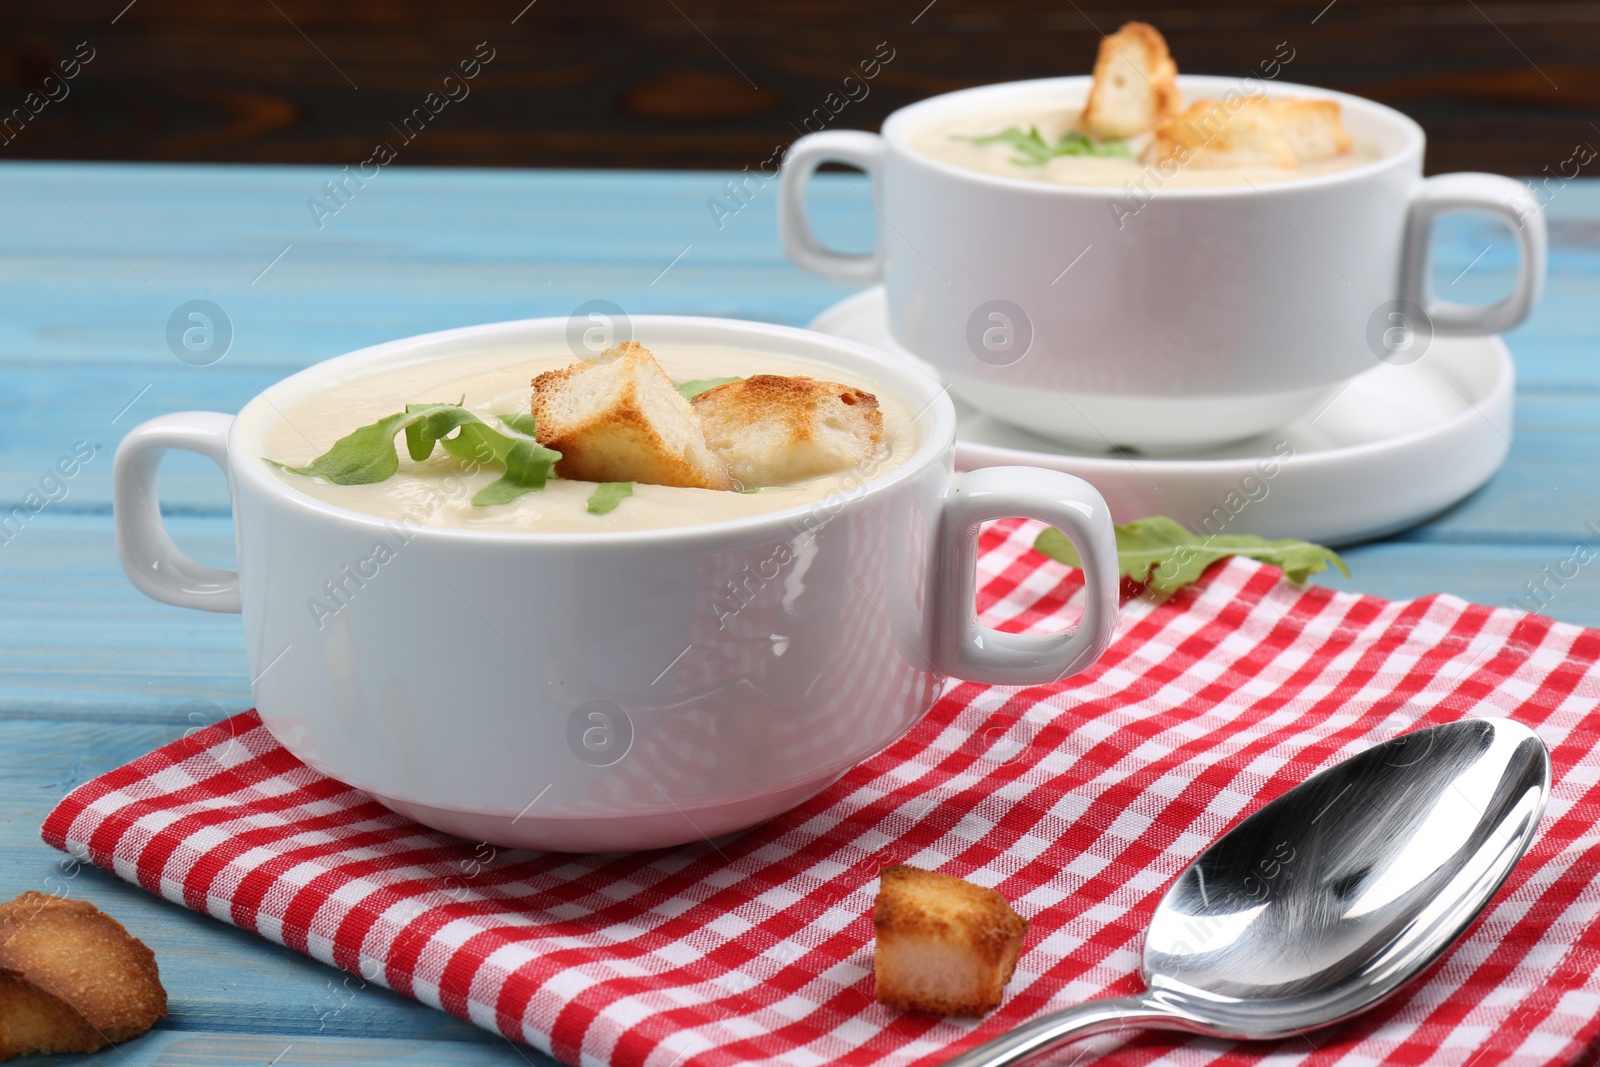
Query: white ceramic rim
x: 898, y: 126
x: 935, y: 422
x: 1499, y: 391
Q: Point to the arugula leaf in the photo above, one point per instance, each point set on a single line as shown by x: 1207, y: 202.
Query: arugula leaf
x: 433, y: 422
x: 607, y: 495
x: 1162, y: 554
x: 482, y: 442
x: 1034, y: 151
x: 368, y: 454
x: 527, y: 464
x: 521, y: 422
x: 361, y: 457
x: 696, y: 386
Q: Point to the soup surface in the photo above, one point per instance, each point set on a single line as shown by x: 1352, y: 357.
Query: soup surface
x: 948, y: 139
x: 438, y: 491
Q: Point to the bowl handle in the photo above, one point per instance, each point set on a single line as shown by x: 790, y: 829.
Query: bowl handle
x: 853, y: 148
x: 152, y: 562
x: 978, y: 653
x: 1491, y: 194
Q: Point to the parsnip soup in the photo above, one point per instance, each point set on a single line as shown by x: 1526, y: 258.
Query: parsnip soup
x: 1043, y: 143
x: 494, y: 388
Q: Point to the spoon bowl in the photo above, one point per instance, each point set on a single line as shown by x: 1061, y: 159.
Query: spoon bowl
x: 1329, y: 898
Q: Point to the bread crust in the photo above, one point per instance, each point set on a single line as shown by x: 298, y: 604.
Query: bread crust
x: 772, y: 429
x: 919, y: 913
x: 1251, y: 131
x: 621, y: 443
x: 1107, y: 112
x: 72, y: 979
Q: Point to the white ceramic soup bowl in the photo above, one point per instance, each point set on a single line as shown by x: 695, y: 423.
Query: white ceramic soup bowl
x: 1157, y: 317
x: 619, y: 690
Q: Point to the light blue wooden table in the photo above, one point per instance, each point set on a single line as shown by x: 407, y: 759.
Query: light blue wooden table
x: 95, y: 259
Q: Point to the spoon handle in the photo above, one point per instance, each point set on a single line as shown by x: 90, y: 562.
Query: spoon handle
x: 1037, y: 1036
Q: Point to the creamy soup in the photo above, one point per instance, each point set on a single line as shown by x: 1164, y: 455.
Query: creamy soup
x: 438, y: 491
x: 949, y: 140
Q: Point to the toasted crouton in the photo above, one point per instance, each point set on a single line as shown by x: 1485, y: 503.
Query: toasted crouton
x: 1135, y: 84
x: 620, y: 419
x: 773, y: 430
x: 1314, y: 128
x: 71, y: 978
x: 1217, y: 133
x: 1252, y: 131
x: 943, y: 944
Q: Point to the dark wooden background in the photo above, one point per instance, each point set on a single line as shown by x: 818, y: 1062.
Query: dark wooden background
x: 1509, y: 87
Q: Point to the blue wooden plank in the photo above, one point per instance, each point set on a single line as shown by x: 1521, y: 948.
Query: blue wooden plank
x: 419, y: 250
x: 428, y: 249
x: 172, y: 1048
x: 1498, y: 575
x: 77, y: 636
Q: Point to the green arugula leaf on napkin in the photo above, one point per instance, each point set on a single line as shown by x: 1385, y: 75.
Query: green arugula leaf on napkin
x: 1160, y: 553
x: 1034, y: 151
x: 368, y: 454
x: 695, y: 386
x: 607, y: 495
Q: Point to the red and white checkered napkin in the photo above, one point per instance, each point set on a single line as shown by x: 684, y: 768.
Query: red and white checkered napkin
x: 1080, y: 802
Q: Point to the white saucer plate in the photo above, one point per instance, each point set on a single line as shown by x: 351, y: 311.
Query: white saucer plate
x: 1395, y: 447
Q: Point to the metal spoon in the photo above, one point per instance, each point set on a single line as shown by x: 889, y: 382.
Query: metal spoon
x: 1329, y: 898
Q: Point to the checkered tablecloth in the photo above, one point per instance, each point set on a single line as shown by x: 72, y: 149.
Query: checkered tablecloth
x: 1079, y: 801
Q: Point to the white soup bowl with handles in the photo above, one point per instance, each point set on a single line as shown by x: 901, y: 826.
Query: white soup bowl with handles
x: 1152, y: 316
x: 616, y: 690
